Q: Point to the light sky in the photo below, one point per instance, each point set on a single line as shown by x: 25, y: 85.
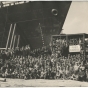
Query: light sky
x: 77, y: 18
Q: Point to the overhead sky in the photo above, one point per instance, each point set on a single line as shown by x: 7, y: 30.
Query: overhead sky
x: 77, y: 18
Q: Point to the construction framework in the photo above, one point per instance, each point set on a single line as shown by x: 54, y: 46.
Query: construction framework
x: 84, y: 44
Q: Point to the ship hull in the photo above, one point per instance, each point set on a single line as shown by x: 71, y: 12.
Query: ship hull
x: 35, y: 21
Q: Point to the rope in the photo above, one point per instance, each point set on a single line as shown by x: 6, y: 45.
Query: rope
x: 42, y: 35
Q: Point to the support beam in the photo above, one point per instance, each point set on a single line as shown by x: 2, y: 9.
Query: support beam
x: 14, y: 41
x: 12, y: 36
x: 18, y: 40
x: 8, y: 36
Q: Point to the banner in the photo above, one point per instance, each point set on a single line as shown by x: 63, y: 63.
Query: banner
x: 74, y: 48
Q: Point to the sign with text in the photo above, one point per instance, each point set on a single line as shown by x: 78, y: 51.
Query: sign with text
x: 74, y: 48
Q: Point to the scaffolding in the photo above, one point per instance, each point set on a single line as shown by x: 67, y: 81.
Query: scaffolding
x: 81, y: 48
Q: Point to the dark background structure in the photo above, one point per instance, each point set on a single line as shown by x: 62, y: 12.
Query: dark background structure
x: 27, y: 17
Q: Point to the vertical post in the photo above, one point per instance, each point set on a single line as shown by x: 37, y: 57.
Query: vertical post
x: 12, y: 35
x: 67, y: 39
x: 84, y: 45
x: 18, y: 40
x: 14, y: 41
x: 51, y: 43
x: 8, y: 36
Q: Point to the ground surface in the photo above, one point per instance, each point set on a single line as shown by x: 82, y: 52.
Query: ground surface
x: 42, y: 83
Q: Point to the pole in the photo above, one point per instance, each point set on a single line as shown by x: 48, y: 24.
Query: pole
x: 8, y: 36
x: 14, y: 41
x: 84, y: 45
x: 18, y: 40
x: 12, y: 35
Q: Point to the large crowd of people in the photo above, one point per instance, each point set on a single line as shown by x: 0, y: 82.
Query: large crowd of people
x: 75, y: 41
x: 44, y: 63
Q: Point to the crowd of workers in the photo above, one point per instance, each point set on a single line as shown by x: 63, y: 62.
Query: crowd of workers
x: 75, y: 41
x: 44, y: 63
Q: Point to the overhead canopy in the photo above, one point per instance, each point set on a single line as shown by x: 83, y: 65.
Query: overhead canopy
x: 27, y: 17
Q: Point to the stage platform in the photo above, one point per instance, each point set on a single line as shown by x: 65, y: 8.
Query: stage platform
x: 42, y: 83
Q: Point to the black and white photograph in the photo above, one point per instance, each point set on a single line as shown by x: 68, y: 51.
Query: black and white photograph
x: 43, y: 43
